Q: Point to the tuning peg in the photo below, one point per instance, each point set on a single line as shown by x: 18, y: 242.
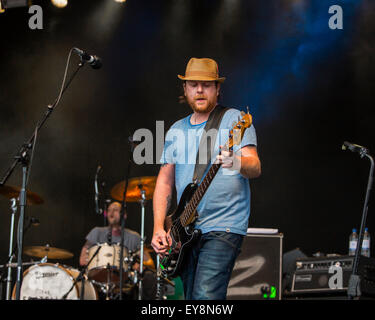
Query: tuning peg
x: 247, y: 107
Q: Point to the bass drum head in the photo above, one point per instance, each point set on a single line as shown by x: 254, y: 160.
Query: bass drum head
x: 46, y: 281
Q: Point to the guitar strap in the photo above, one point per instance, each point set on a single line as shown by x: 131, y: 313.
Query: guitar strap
x: 213, y: 122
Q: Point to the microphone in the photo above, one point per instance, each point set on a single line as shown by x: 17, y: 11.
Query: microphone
x: 354, y: 148
x: 97, y: 209
x: 94, y: 61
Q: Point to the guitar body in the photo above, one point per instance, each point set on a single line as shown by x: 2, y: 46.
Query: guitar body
x: 182, y: 237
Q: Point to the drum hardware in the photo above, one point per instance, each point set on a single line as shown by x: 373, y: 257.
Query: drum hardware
x: 14, y: 265
x: 81, y: 278
x: 161, y: 281
x: 12, y: 191
x: 11, y: 249
x: 140, y: 286
x: 159, y: 284
x: 122, y: 222
x: 137, y: 189
x: 105, y: 288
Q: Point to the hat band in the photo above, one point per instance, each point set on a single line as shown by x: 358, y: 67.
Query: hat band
x: 201, y: 73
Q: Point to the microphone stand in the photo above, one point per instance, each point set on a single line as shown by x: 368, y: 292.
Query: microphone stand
x: 354, y: 280
x: 11, y: 249
x: 122, y: 220
x: 22, y: 158
x: 81, y: 277
x: 140, y: 287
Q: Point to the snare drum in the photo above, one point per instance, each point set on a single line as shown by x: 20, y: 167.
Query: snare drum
x: 47, y: 281
x: 106, y: 264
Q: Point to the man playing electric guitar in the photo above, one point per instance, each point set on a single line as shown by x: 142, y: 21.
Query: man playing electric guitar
x: 222, y: 214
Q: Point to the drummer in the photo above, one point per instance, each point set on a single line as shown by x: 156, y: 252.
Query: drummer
x: 112, y: 234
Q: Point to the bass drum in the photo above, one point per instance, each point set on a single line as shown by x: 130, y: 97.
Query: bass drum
x: 90, y: 291
x: 47, y: 281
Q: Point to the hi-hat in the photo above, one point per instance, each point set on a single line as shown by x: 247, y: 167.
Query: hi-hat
x: 50, y: 252
x: 135, y: 185
x: 14, y: 192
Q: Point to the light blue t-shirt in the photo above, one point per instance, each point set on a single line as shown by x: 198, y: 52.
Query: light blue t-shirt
x: 226, y: 203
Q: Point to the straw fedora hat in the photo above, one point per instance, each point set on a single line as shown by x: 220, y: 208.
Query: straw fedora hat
x: 204, y: 69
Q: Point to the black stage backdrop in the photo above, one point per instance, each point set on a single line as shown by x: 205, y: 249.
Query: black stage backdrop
x: 309, y: 88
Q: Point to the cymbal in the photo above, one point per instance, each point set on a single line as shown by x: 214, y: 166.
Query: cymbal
x: 50, y: 252
x: 133, y: 193
x: 14, y: 192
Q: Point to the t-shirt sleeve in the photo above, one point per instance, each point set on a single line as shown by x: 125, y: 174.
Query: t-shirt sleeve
x: 249, y: 137
x: 134, y: 243
x: 93, y: 236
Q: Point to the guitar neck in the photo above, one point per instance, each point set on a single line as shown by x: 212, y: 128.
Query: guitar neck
x: 189, y: 213
x: 235, y: 137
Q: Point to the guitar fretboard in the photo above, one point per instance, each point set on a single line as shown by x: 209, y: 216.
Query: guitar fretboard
x: 189, y: 212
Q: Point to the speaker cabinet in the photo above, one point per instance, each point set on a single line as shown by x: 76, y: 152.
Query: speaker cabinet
x: 257, y: 273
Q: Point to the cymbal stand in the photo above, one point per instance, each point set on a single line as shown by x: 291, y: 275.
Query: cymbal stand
x: 122, y: 219
x: 140, y: 285
x: 159, y: 281
x: 9, y: 278
x: 109, y: 273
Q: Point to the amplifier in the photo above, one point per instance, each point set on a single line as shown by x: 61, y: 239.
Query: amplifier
x: 257, y: 273
x: 332, y: 274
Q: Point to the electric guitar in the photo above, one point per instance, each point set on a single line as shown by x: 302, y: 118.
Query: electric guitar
x: 180, y: 224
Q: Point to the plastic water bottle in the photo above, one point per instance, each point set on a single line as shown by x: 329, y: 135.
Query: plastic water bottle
x: 353, y: 240
x: 365, y: 250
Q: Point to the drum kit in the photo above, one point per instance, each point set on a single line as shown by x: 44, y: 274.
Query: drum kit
x: 100, y: 278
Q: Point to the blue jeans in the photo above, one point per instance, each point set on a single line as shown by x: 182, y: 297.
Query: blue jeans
x: 209, y: 264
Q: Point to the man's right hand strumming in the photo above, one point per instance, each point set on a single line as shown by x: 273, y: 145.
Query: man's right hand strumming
x: 161, y: 241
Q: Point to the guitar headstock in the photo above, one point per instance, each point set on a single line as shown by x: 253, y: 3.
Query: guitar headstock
x: 238, y: 130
